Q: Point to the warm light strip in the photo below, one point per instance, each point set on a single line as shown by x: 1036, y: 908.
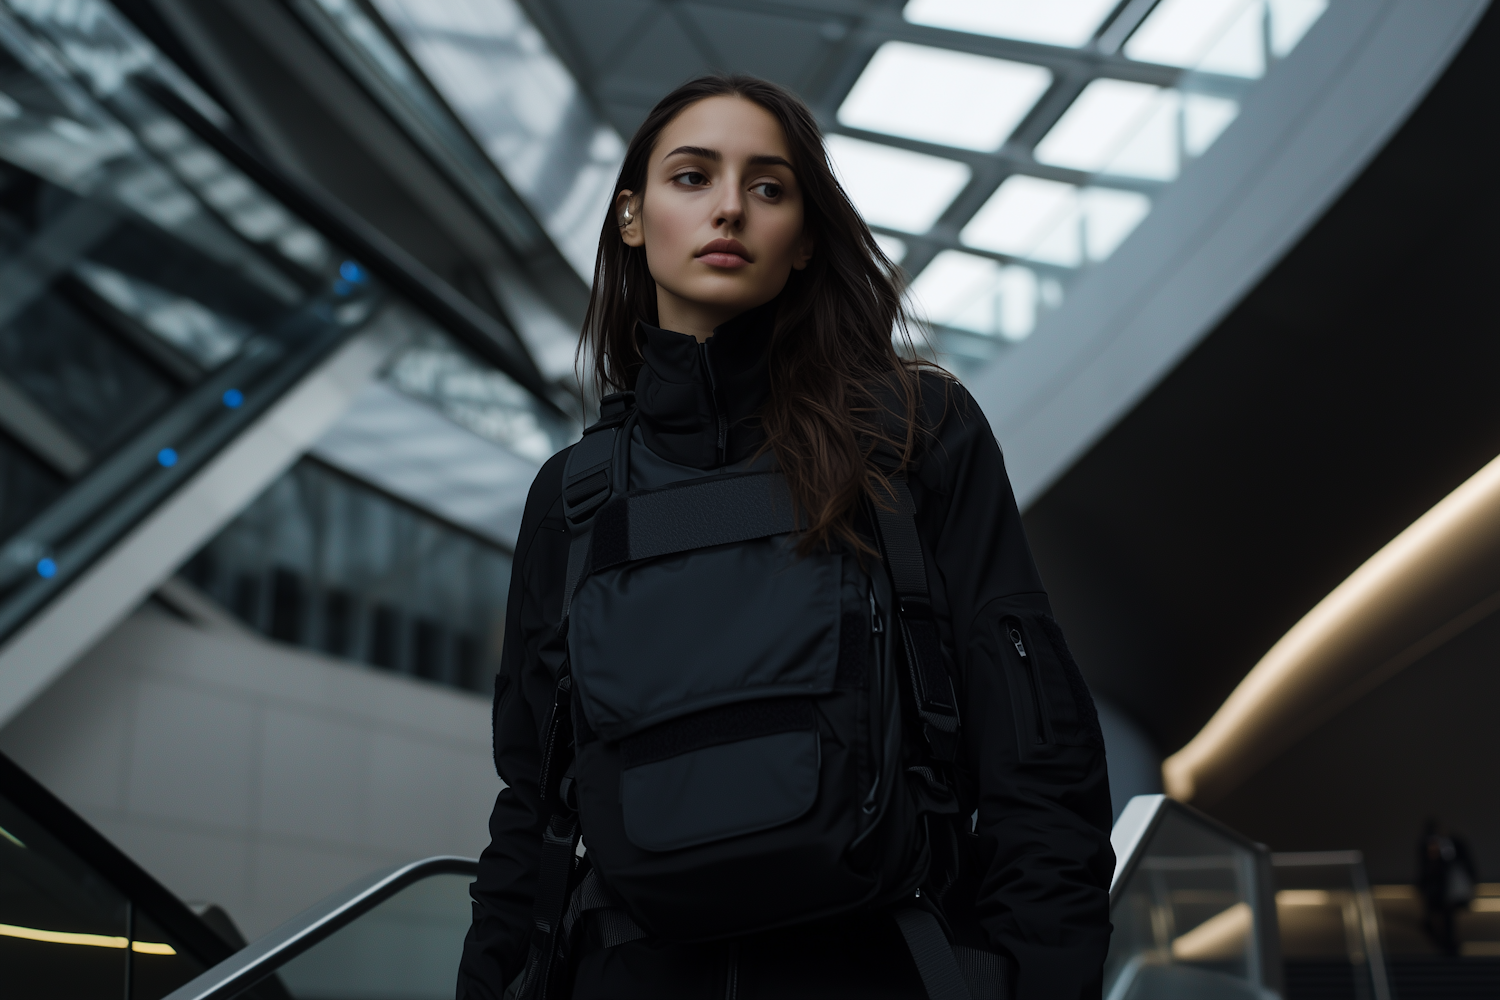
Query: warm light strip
x: 1220, y: 937
x: 91, y: 940
x: 1397, y: 607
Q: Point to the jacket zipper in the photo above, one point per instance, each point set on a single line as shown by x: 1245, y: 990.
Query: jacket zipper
x: 722, y: 444
x: 1032, y: 680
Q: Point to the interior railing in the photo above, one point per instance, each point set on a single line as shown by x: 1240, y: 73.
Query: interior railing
x: 398, y: 932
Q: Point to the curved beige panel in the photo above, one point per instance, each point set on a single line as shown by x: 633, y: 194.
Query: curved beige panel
x: 1432, y: 581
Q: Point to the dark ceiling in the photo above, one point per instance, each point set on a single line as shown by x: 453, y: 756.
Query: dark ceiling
x: 1349, y: 392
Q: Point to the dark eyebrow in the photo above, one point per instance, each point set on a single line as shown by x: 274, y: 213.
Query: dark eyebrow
x: 763, y: 160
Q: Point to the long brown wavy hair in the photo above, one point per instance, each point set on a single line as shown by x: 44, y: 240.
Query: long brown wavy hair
x: 840, y: 389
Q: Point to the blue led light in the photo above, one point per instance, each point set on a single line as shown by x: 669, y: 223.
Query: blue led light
x: 166, y: 458
x: 46, y: 569
x: 342, y: 287
x: 351, y: 271
x: 233, y: 398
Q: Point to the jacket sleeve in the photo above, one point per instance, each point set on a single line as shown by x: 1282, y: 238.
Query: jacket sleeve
x: 502, y: 894
x: 1032, y: 749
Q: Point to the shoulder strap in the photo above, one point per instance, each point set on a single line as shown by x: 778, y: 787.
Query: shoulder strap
x: 589, y: 480
x: 932, y: 688
x: 590, y: 477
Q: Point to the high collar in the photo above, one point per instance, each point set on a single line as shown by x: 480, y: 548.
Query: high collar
x: 698, y: 402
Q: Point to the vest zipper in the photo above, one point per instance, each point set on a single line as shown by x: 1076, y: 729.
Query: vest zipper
x: 722, y: 444
x: 732, y: 976
x: 1028, y: 666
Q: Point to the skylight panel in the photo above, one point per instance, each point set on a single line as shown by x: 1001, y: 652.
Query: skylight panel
x: 1204, y: 117
x: 1109, y: 215
x: 892, y: 247
x: 1218, y: 36
x: 1055, y: 223
x: 1117, y: 127
x: 944, y: 97
x: 1029, y: 217
x: 977, y: 294
x: 1290, y: 20
x: 896, y: 188
x: 1055, y: 22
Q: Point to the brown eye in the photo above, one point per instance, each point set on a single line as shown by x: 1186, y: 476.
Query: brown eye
x: 692, y: 178
x: 768, y: 189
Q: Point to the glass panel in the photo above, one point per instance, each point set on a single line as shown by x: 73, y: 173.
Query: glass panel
x: 324, y: 562
x: 523, y: 106
x: 896, y: 187
x: 1185, y: 919
x: 407, y: 948
x: 157, y: 968
x: 64, y: 931
x: 928, y: 94
x: 1056, y: 22
x: 1330, y: 941
x: 26, y: 486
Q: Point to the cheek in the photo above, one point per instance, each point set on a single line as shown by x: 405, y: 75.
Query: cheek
x: 670, y: 233
x: 782, y: 232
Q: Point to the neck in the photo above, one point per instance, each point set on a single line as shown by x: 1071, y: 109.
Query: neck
x: 695, y: 319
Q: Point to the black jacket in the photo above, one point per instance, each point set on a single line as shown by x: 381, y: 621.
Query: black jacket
x: 1041, y: 861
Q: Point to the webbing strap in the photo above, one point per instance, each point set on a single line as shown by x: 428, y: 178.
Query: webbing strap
x: 612, y: 923
x: 932, y: 689
x: 694, y: 515
x: 932, y: 954
x: 554, y: 872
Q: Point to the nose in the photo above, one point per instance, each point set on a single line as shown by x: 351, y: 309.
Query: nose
x: 730, y: 212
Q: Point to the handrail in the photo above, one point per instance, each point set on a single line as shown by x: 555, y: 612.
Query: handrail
x: 291, y: 938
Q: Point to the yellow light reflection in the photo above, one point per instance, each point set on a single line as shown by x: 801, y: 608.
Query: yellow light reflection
x: 1222, y: 936
x: 89, y: 940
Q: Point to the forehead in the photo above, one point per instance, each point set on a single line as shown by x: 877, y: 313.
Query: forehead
x: 733, y: 126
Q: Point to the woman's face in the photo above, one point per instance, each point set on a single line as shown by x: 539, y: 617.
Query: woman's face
x: 721, y: 216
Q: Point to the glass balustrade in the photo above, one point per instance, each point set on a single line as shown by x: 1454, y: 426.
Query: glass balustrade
x: 1191, y: 907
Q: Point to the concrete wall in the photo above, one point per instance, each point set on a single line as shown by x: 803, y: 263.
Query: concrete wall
x: 253, y: 775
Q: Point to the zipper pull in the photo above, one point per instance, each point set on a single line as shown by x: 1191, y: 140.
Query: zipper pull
x: 1015, y: 638
x: 876, y: 626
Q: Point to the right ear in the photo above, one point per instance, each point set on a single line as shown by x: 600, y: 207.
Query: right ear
x: 628, y: 215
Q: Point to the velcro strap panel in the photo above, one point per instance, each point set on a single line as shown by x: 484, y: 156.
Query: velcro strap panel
x: 693, y: 515
x: 717, y: 726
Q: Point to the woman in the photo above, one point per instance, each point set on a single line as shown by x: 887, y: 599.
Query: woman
x: 742, y: 299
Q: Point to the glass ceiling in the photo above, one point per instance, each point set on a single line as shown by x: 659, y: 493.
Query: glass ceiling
x: 517, y: 100
x: 1064, y: 182
x: 998, y: 148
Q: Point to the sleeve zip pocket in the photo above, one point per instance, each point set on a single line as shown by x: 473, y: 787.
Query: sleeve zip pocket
x: 1015, y: 635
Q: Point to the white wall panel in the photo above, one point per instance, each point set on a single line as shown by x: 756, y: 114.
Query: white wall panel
x: 255, y: 775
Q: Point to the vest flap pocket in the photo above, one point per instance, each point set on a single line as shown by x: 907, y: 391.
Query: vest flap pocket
x: 722, y: 791
x: 649, y: 642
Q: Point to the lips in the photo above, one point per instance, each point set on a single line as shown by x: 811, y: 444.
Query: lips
x: 725, y: 253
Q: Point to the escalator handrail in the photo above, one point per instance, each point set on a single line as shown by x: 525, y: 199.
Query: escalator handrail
x: 268, y: 953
